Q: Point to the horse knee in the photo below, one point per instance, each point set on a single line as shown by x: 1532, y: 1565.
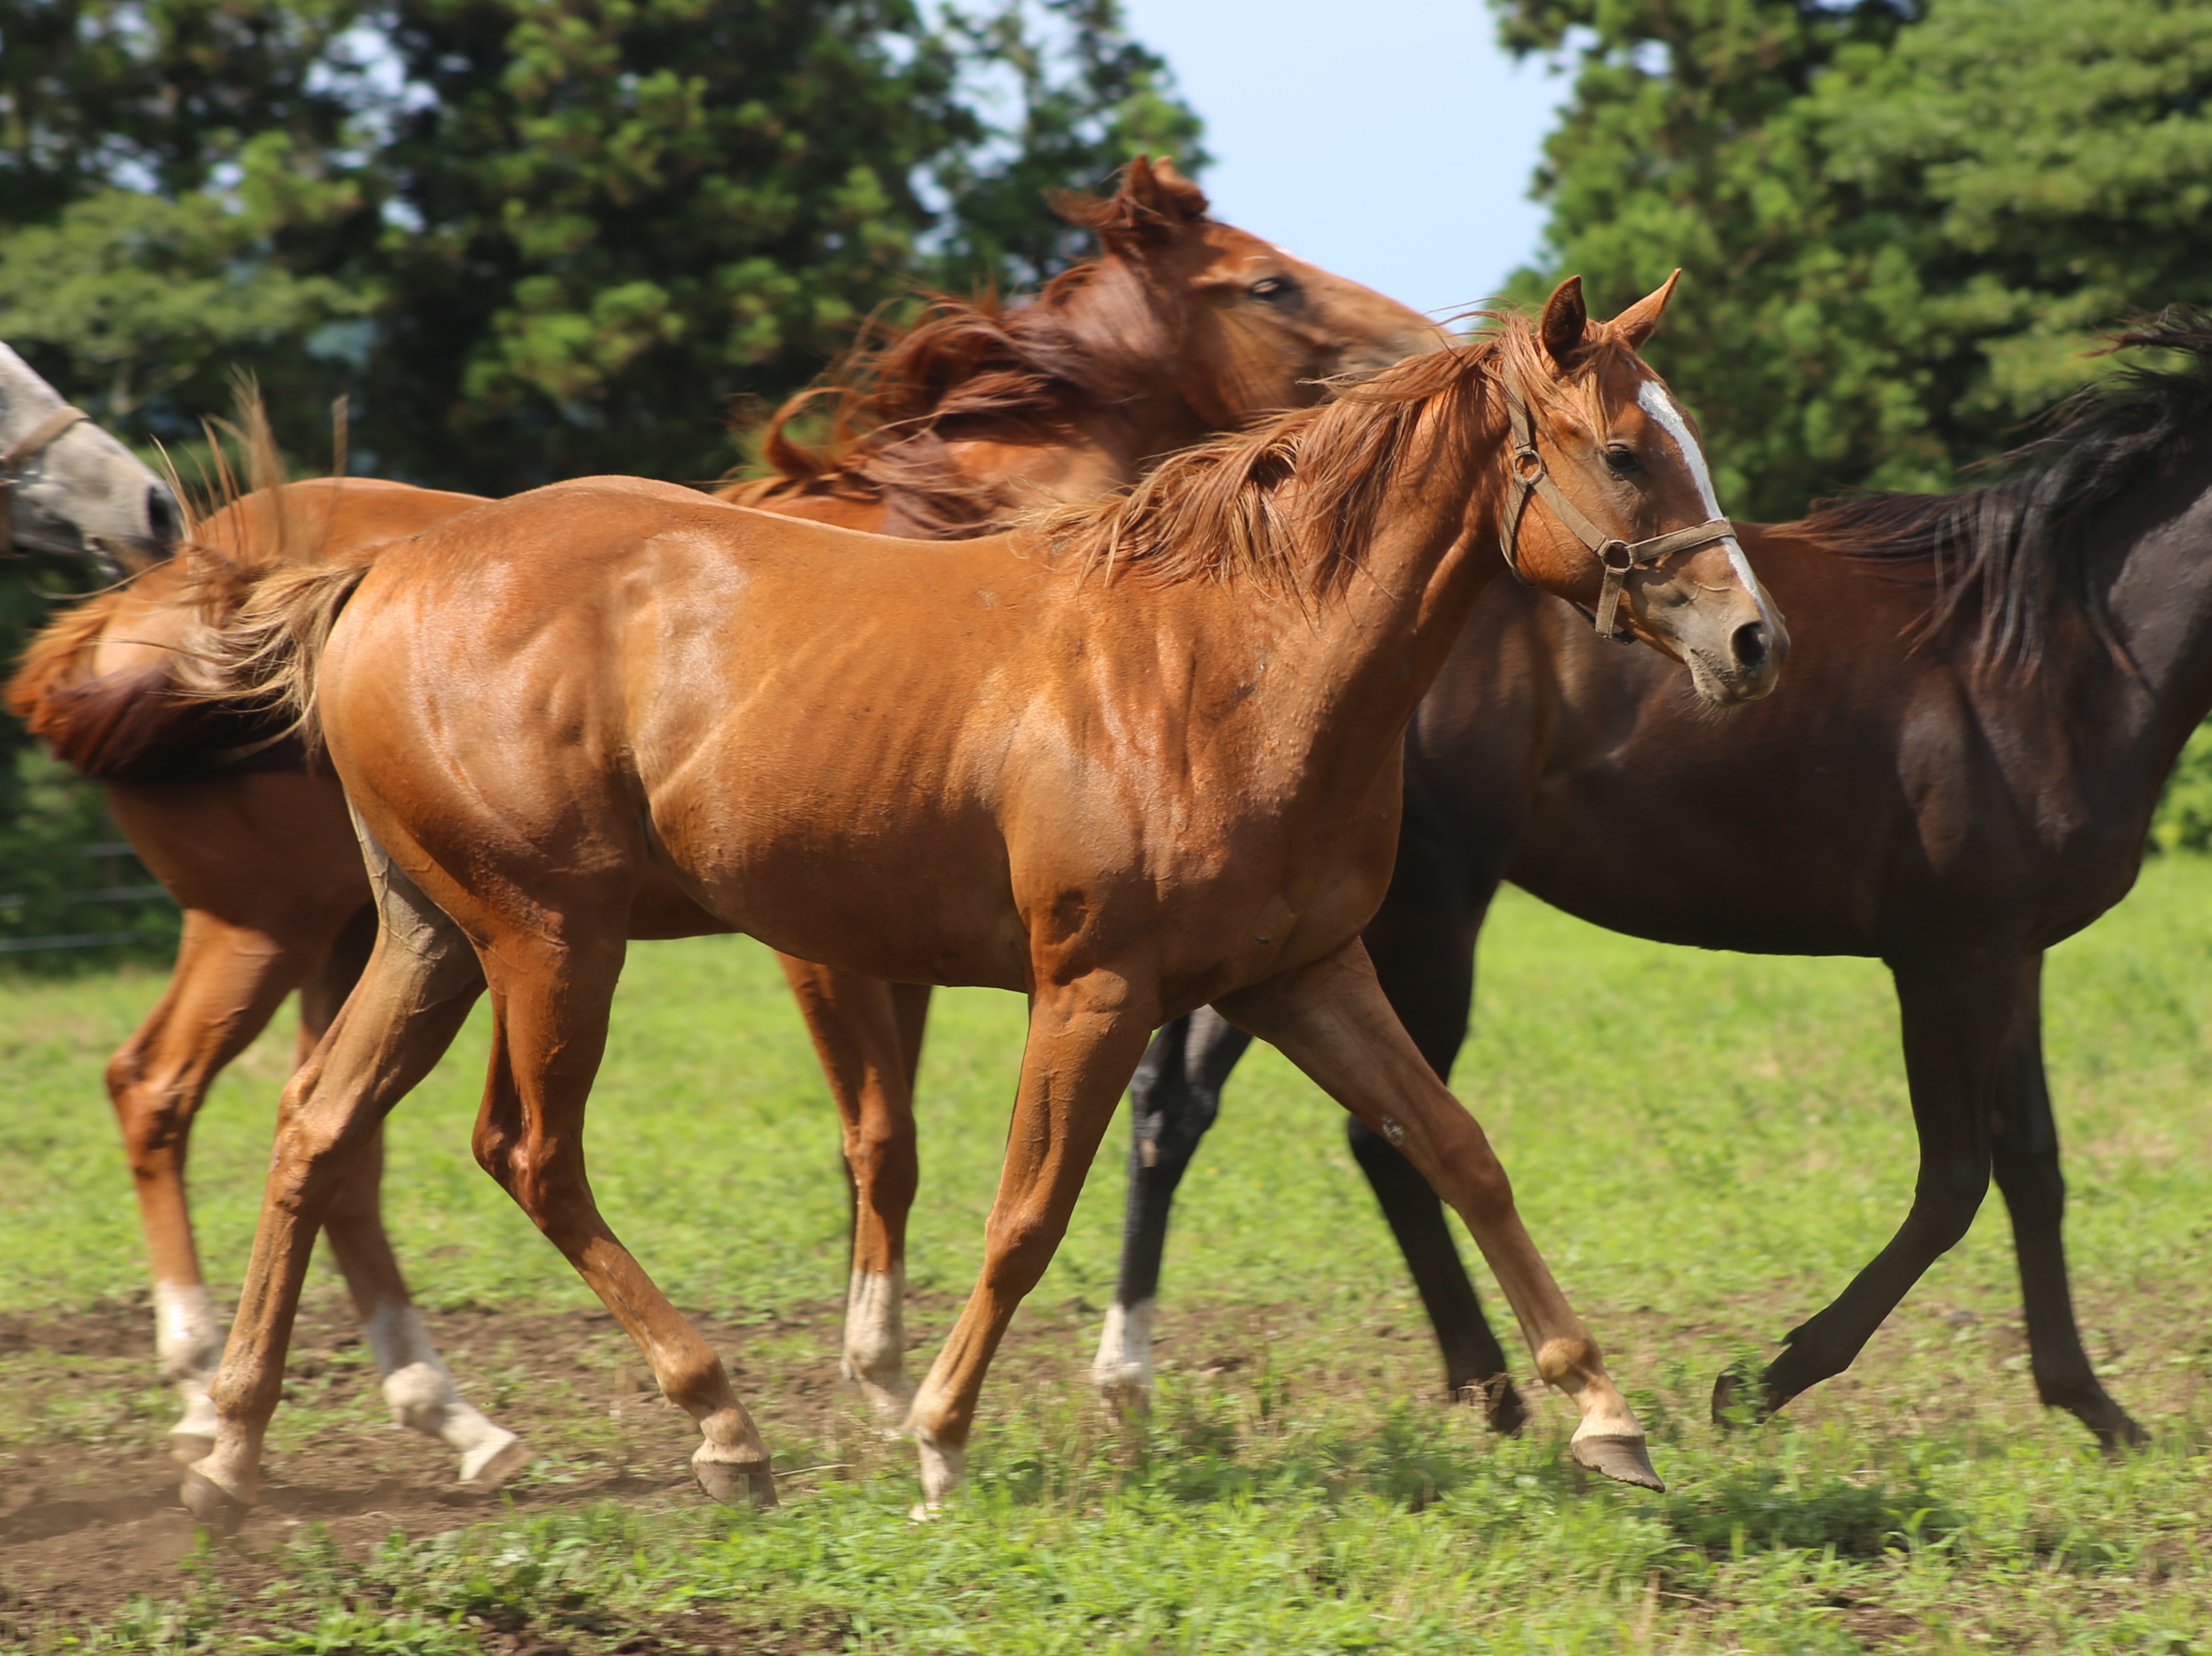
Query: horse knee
x: 1944, y: 1206
x: 154, y: 1113
x: 1016, y: 1250
x: 881, y: 1155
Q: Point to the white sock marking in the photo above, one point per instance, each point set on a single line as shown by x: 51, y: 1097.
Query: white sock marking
x: 1123, y: 1366
x: 184, y: 1335
x: 420, y: 1389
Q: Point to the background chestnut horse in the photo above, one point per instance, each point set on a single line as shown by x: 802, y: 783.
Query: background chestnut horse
x: 1184, y: 326
x: 1960, y: 773
x: 1142, y: 757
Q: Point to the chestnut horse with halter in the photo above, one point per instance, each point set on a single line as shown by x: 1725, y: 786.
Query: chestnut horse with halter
x: 1997, y: 694
x: 1133, y: 758
x: 1184, y: 326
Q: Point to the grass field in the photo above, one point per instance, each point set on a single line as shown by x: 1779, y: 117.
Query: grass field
x: 1706, y: 1145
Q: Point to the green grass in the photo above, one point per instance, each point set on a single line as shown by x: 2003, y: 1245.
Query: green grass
x: 1706, y: 1146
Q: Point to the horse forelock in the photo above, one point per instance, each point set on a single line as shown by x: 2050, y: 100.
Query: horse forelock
x: 2005, y: 559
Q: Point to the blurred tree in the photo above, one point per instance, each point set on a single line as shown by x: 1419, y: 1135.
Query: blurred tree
x: 1903, y: 231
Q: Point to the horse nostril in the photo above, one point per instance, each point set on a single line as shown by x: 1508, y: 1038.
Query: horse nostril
x: 164, y: 523
x: 1751, y: 642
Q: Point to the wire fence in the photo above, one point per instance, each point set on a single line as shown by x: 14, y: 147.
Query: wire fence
x: 116, y: 851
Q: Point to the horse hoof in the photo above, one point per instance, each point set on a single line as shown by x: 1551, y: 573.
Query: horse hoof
x: 221, y: 1510
x: 189, y: 1447
x: 1124, y: 1392
x: 1499, y: 1401
x: 734, y: 1482
x: 493, y: 1461
x: 1739, y: 1398
x: 1619, y: 1457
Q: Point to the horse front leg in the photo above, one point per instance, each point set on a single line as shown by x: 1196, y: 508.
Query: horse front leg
x: 2025, y: 1155
x: 1084, y: 1039
x: 1330, y: 1018
x: 868, y: 1038
x: 1174, y: 1099
x: 1958, y: 1017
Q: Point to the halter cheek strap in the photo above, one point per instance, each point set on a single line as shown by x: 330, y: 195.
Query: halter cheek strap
x: 1527, y: 475
x: 12, y: 460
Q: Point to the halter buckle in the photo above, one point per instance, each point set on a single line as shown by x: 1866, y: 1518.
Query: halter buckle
x: 1616, y: 557
x: 1527, y: 465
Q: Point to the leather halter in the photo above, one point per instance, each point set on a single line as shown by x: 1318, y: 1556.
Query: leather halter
x: 12, y: 460
x: 1528, y: 474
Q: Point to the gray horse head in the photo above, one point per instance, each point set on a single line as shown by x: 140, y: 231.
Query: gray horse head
x: 76, y: 490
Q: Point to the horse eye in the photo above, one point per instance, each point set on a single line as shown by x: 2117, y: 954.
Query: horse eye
x: 1621, y: 458
x: 1273, y: 287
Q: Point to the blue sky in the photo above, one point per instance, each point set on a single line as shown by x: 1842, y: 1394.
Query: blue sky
x: 1390, y: 141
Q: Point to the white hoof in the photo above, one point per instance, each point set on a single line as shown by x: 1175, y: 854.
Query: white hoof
x: 944, y: 1469
x: 1122, y: 1370
x: 494, y: 1460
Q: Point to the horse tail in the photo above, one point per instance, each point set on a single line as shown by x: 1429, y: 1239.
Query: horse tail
x: 268, y: 654
x: 38, y: 693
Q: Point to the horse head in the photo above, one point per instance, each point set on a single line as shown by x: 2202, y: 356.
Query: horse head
x: 1237, y: 324
x: 69, y: 486
x: 1610, y: 502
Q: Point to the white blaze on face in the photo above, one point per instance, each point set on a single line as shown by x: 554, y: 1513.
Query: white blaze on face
x: 1654, y: 400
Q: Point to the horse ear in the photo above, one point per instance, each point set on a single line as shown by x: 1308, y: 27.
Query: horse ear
x: 1566, y: 321
x: 1636, y: 323
x: 1153, y: 202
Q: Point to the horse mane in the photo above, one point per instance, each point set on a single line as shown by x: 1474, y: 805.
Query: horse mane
x: 154, y: 721
x: 980, y: 362
x: 1289, y: 504
x: 2004, y: 557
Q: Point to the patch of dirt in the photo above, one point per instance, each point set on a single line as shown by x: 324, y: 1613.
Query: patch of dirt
x: 89, y: 1520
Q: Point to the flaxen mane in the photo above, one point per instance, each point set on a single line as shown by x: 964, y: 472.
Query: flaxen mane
x: 981, y: 366
x: 1289, y: 504
x: 2004, y: 558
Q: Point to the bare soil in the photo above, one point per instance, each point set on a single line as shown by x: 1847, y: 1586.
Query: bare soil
x: 90, y: 1514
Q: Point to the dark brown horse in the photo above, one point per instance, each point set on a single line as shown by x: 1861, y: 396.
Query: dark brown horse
x: 1183, y: 326
x: 1137, y: 757
x: 1958, y: 772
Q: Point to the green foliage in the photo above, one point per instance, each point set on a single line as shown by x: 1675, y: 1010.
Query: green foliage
x: 530, y: 240
x: 1903, y: 233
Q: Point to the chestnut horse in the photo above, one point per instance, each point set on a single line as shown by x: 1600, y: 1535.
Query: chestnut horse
x: 1960, y: 774
x: 1183, y: 326
x: 1140, y: 756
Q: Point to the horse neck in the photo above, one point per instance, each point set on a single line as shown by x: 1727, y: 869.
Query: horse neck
x: 2156, y: 577
x: 1347, y: 667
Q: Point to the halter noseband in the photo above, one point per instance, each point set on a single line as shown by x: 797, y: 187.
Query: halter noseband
x: 1528, y: 474
x: 11, y: 462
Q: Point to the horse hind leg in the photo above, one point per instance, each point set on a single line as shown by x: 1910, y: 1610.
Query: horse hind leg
x: 228, y: 982
x: 422, y: 979
x: 418, y: 1384
x: 1174, y: 1100
x: 867, y: 1036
